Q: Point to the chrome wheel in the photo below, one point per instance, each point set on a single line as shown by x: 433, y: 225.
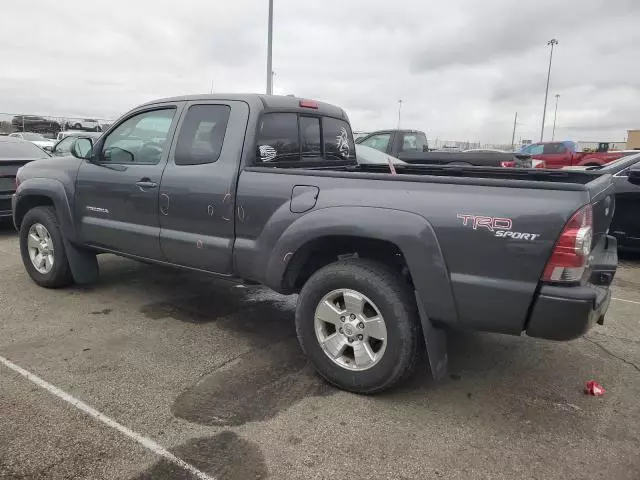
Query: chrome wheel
x: 350, y: 329
x: 40, y: 247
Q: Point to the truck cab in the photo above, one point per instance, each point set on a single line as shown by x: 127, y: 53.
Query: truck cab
x: 554, y: 154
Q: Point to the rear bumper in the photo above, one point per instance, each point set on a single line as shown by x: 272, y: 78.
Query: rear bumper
x: 565, y: 313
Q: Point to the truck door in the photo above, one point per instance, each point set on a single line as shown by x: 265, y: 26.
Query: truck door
x: 117, y: 190
x: 197, y: 192
x: 556, y: 155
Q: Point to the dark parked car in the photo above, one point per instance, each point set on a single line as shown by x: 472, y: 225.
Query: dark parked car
x: 625, y: 225
x: 33, y: 123
x: 411, y: 146
x: 267, y: 189
x: 14, y: 153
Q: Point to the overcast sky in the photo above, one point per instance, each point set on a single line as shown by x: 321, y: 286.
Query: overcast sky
x: 461, y: 67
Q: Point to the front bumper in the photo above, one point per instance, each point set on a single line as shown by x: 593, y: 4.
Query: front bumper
x: 568, y: 312
x: 5, y: 205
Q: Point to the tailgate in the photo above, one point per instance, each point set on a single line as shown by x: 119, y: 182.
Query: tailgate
x: 602, y: 199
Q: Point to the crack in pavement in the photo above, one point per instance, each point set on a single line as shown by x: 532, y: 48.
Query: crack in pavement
x: 624, y: 360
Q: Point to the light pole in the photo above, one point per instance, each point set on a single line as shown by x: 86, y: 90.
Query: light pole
x: 553, y: 42
x: 513, y: 135
x: 555, y: 116
x: 270, y: 50
x: 399, y: 112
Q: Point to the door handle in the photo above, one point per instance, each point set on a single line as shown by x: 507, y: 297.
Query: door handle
x: 145, y: 183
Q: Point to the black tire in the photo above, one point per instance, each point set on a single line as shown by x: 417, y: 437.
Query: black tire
x: 394, y: 298
x: 60, y: 274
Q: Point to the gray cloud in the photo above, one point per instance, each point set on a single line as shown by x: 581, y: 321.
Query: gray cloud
x: 462, y: 68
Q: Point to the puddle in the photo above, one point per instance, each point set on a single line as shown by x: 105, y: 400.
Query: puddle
x: 225, y: 456
x: 259, y: 315
x: 253, y: 387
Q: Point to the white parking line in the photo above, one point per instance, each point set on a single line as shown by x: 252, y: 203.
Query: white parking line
x: 626, y: 301
x: 142, y: 440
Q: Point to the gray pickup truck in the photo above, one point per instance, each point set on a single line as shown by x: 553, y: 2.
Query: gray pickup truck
x: 266, y: 189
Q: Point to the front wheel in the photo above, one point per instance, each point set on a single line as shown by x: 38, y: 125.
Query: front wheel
x: 358, y: 324
x: 42, y: 249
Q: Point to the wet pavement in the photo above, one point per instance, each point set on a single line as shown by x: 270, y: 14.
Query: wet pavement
x: 213, y: 373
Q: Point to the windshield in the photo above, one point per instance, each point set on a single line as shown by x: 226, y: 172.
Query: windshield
x: 33, y: 137
x: 20, y: 151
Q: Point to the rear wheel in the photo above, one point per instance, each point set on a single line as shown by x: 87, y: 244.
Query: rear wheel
x: 358, y: 324
x: 42, y: 248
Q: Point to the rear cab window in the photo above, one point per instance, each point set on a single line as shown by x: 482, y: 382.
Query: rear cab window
x: 292, y: 139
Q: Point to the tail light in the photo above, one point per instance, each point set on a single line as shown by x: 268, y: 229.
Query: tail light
x: 570, y: 257
x: 538, y: 164
x: 509, y: 164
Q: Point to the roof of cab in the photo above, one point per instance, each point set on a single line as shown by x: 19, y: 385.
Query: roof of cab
x: 268, y: 102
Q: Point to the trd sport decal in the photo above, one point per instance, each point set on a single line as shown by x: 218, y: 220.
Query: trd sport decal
x: 500, y: 227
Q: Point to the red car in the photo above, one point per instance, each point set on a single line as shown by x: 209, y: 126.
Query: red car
x: 566, y: 154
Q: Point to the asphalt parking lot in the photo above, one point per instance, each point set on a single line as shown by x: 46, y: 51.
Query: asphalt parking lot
x: 212, y: 373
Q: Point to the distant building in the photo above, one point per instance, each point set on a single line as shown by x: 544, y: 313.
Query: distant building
x: 595, y: 146
x: 633, y: 140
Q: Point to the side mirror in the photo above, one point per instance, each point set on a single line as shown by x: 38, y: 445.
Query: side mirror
x: 48, y: 148
x: 634, y: 175
x: 81, y: 147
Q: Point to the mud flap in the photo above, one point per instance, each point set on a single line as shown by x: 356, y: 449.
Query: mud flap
x: 84, y: 264
x: 435, y: 340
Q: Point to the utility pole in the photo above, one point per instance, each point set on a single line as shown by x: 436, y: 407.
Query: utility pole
x: 555, y: 116
x: 399, y: 112
x: 513, y: 135
x: 270, y: 51
x: 553, y: 42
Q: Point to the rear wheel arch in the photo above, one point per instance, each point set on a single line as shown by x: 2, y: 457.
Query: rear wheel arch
x: 322, y: 251
x: 403, y: 240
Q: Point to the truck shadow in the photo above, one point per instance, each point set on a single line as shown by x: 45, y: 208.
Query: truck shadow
x: 259, y: 383
x: 486, y: 371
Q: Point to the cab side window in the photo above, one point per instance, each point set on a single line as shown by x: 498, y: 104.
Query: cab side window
x: 202, y: 134
x: 554, y: 148
x: 140, y: 139
x: 535, y: 149
x: 379, y: 141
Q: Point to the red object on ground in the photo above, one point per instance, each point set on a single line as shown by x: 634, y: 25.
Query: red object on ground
x: 594, y: 388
